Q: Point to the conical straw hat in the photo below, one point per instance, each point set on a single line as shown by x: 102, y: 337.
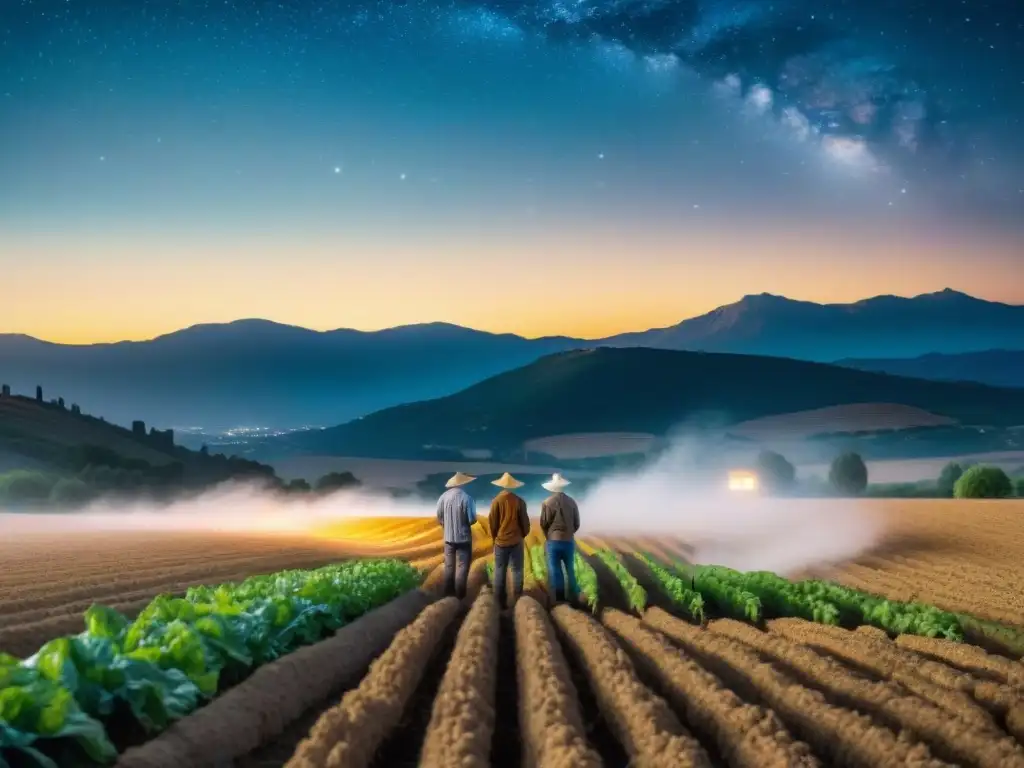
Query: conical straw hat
x: 459, y: 479
x: 556, y: 483
x: 506, y: 481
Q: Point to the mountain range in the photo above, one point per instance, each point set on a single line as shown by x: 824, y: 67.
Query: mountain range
x: 259, y: 372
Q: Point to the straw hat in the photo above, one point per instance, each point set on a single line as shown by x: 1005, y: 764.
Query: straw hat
x: 459, y: 479
x: 507, y: 481
x: 556, y: 483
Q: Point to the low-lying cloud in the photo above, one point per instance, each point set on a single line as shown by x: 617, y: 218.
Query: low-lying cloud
x: 673, y: 499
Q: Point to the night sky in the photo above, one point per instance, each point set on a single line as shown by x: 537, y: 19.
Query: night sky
x: 579, y: 166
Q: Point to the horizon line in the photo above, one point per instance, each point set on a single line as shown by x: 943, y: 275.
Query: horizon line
x: 425, y: 323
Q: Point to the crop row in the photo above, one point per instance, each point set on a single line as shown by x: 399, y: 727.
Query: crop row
x: 960, y: 740
x: 549, y: 715
x: 349, y: 733
x: 463, y: 716
x: 746, y: 735
x: 60, y: 705
x: 642, y: 722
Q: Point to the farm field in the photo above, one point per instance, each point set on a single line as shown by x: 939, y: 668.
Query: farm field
x: 658, y: 662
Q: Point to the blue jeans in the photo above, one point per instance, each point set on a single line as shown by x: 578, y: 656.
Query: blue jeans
x: 562, y: 553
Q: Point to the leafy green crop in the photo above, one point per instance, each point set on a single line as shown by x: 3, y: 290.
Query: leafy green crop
x: 676, y: 589
x: 538, y: 564
x: 176, y: 654
x: 751, y: 595
x: 729, y: 597
x: 636, y: 595
x: 586, y: 580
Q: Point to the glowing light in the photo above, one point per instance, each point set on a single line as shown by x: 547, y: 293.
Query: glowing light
x: 742, y: 481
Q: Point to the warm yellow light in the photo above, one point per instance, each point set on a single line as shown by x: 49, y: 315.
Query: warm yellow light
x: 742, y: 481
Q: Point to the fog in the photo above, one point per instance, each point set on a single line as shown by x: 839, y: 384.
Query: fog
x: 677, y: 497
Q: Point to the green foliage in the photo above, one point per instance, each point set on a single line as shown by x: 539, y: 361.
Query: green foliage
x: 754, y: 595
x: 539, y: 565
x: 636, y: 595
x: 1018, y: 487
x: 677, y: 590
x: 728, y: 596
x: 175, y: 655
x: 981, y: 482
x: 775, y: 472
x: 586, y: 580
x: 924, y: 489
x: 336, y: 481
x: 26, y: 486
x: 948, y: 478
x: 848, y: 474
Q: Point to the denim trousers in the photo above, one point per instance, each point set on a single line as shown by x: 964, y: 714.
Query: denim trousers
x: 503, y: 557
x: 456, y: 567
x: 562, y: 554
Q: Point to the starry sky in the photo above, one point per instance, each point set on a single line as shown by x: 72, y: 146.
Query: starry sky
x: 536, y: 166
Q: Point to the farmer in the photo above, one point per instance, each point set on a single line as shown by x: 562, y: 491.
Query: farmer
x: 560, y: 519
x: 510, y: 525
x: 456, y: 513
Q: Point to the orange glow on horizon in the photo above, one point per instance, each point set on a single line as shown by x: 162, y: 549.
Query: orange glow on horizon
x: 80, y: 289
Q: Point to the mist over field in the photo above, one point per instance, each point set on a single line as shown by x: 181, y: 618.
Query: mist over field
x: 673, y: 498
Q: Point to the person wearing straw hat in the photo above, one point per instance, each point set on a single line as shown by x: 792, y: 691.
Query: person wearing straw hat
x: 560, y: 519
x: 510, y: 525
x: 456, y: 514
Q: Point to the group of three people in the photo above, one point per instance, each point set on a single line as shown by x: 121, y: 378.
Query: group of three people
x: 510, y: 525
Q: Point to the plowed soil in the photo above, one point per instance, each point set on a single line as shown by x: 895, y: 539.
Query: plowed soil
x: 791, y: 694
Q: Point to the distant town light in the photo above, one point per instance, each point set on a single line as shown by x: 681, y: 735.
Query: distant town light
x: 740, y: 480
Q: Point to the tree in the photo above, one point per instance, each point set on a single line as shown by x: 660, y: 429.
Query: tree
x: 1019, y: 487
x: 981, y: 482
x: 948, y: 477
x: 298, y: 485
x: 848, y: 474
x: 335, y: 481
x: 774, y: 471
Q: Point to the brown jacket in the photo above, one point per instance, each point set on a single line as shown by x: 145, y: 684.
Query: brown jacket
x: 509, y: 522
x: 559, y: 517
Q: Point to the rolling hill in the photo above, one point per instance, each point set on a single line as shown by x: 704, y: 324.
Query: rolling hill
x: 998, y: 367
x: 256, y: 372
x: 59, y: 439
x: 637, y: 390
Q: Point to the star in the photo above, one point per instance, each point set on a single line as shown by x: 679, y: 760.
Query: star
x: 600, y: 155
x: 102, y: 158
x: 402, y: 177
x: 337, y: 169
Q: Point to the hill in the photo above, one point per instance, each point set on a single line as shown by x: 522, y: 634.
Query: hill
x: 998, y: 367
x: 647, y: 391
x: 47, y: 443
x: 256, y: 372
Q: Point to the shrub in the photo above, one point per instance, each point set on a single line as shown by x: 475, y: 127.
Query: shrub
x: 948, y: 477
x: 848, y: 474
x: 335, y: 481
x: 26, y: 485
x: 298, y: 485
x: 981, y: 482
x: 774, y: 471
